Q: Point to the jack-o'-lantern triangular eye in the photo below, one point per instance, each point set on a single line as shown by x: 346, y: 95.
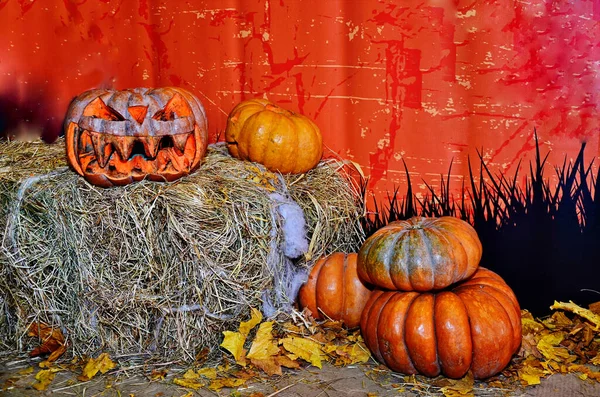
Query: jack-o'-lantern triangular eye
x: 98, y: 109
x: 176, y: 107
x: 138, y: 113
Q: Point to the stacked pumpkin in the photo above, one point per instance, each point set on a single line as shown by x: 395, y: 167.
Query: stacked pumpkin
x: 431, y: 309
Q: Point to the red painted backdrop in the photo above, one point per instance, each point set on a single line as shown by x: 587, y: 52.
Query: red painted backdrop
x: 424, y: 81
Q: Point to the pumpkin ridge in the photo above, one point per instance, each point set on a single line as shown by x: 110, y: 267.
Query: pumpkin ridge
x: 455, y: 298
x: 433, y: 264
x: 416, y: 269
x: 379, y: 269
x: 362, y: 259
x: 481, y: 291
x: 397, y: 236
x: 449, y: 239
x: 512, y: 301
x: 435, y: 339
x: 465, y: 234
x: 316, y: 286
x: 408, y: 309
x: 387, y: 298
x: 293, y: 160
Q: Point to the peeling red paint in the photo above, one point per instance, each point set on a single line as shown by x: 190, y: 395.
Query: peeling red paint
x: 72, y: 8
x: 143, y: 9
x: 25, y: 5
x: 95, y: 33
x: 160, y: 53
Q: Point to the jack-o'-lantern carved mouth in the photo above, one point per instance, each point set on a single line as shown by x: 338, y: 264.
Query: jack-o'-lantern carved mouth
x: 114, y: 148
x: 114, y: 154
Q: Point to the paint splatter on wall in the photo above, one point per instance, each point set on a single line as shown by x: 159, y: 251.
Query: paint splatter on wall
x: 427, y: 82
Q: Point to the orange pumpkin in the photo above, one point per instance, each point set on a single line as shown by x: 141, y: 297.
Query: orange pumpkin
x: 283, y: 141
x: 476, y: 325
x: 118, y: 137
x: 334, y: 289
x: 420, y: 254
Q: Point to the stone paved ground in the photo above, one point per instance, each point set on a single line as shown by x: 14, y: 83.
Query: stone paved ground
x: 327, y: 382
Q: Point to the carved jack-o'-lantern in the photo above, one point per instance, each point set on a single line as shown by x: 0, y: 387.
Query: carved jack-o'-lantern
x: 118, y: 137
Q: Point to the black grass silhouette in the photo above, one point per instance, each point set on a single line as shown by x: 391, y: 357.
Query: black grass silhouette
x: 542, y: 238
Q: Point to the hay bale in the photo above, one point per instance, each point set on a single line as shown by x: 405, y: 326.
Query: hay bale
x: 160, y: 269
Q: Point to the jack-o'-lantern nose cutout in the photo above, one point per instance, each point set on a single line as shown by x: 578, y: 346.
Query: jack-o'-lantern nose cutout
x: 138, y: 113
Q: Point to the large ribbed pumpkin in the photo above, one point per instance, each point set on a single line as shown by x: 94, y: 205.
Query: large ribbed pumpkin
x: 334, y: 289
x: 283, y: 141
x: 420, y: 254
x: 476, y: 325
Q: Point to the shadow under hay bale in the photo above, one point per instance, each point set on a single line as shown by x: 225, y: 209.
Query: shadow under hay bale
x: 160, y: 269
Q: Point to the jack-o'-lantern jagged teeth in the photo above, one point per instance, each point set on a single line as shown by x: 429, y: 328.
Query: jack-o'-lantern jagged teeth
x: 179, y: 140
x: 151, y: 145
x: 123, y: 145
x: 102, y: 147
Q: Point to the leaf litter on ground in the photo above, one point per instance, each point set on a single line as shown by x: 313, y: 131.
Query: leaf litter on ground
x: 568, y: 341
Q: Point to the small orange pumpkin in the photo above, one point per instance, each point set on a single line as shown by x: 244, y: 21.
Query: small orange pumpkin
x: 119, y: 137
x: 333, y: 288
x: 283, y: 141
x: 476, y: 325
x: 420, y: 254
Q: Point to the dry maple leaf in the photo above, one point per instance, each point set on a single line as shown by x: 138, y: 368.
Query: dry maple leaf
x: 51, y: 339
x: 585, y: 313
x: 306, y: 349
x: 44, y: 377
x: 234, y: 341
x: 101, y: 364
x: 220, y: 383
x: 191, y: 379
x: 460, y: 387
x: 263, y: 345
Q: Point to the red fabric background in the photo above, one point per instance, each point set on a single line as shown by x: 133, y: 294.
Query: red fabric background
x: 425, y: 81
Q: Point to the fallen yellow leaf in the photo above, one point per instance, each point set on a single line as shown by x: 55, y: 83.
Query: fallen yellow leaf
x: 263, y: 345
x: 287, y: 362
x: 580, y: 311
x: 208, y: 373
x: 530, y: 325
x: 44, y: 377
x: 101, y: 364
x: 220, y: 383
x: 26, y: 371
x: 255, y: 319
x: 269, y: 365
x: 531, y: 375
x: 234, y: 343
x: 306, y: 349
x: 359, y: 353
x: 547, y: 346
x: 189, y: 383
x: 459, y: 387
x: 588, y: 372
x: 190, y: 379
